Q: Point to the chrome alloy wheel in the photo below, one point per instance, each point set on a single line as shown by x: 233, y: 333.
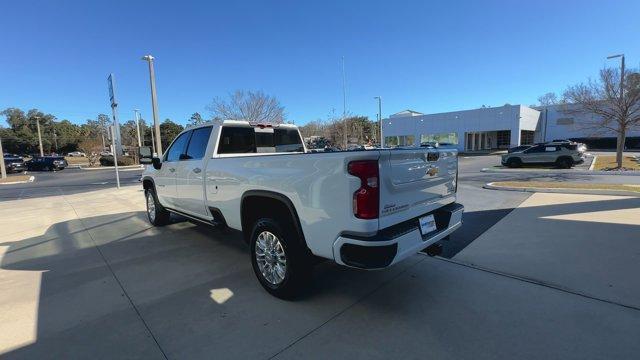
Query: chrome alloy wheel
x: 271, y: 259
x: 151, y: 206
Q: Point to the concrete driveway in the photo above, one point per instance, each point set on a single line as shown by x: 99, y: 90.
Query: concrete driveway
x: 588, y: 244
x: 85, y: 276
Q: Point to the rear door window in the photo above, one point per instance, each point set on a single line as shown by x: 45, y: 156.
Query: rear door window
x: 237, y: 140
x: 198, y: 143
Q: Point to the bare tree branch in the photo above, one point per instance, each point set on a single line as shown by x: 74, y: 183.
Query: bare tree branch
x: 614, y: 111
x: 251, y: 106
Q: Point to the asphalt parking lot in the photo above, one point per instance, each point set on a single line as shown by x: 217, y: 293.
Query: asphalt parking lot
x: 90, y: 278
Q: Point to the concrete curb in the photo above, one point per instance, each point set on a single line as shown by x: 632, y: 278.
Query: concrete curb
x: 558, y: 171
x: 111, y: 167
x: 31, y: 179
x: 490, y: 186
x: 593, y: 162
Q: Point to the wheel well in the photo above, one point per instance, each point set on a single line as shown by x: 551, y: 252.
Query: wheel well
x: 147, y: 184
x: 255, y: 206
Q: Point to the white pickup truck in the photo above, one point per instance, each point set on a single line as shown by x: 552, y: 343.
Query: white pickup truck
x: 364, y: 209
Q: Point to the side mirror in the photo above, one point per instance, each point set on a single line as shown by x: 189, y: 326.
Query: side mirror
x: 157, y: 164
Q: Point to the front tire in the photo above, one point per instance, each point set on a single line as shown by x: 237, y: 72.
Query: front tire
x: 514, y: 163
x: 280, y: 261
x: 157, y: 215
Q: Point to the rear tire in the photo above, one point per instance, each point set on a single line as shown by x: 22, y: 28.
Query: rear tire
x: 280, y: 261
x: 157, y: 215
x: 514, y: 163
x: 564, y: 163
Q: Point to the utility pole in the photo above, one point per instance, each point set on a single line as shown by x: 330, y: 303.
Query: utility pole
x: 3, y: 169
x: 344, y: 104
x: 380, y: 119
x: 39, y: 135
x: 154, y: 102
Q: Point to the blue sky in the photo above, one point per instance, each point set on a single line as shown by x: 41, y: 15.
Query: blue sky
x: 431, y: 56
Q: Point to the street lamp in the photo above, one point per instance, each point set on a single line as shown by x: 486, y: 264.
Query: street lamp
x: 621, y: 56
x: 39, y: 136
x: 3, y: 169
x: 154, y: 102
x: 620, y: 135
x: 379, y: 98
x: 135, y: 114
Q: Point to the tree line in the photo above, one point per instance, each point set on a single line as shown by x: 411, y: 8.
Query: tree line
x: 63, y: 136
x: 92, y: 136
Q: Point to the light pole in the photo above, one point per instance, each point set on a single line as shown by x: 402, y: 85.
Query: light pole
x: 55, y: 140
x: 39, y: 135
x: 3, y: 170
x: 620, y: 133
x: 380, y: 117
x: 154, y: 102
x: 137, y: 117
x: 621, y: 56
x: 344, y: 104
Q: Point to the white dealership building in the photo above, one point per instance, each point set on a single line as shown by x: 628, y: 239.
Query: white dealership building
x: 500, y: 127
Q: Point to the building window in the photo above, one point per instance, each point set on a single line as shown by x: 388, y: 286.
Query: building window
x: 564, y: 121
x: 402, y: 140
x: 526, y: 137
x: 503, y: 138
x: 445, y: 138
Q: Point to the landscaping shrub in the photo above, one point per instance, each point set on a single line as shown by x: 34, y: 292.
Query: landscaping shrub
x: 122, y: 160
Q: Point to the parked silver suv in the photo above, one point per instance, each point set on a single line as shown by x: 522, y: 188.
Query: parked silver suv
x: 561, y: 154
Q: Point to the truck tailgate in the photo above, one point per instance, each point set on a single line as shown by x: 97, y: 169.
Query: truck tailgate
x: 414, y: 182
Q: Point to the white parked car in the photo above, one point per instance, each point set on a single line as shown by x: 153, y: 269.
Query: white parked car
x: 363, y: 209
x: 77, y: 154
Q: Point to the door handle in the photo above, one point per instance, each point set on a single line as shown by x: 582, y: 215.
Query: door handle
x: 172, y: 169
x: 197, y: 170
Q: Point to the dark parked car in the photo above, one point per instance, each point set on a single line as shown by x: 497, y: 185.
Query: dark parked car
x: 47, y: 163
x: 14, y: 164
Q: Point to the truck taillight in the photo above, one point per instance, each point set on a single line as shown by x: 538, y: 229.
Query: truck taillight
x: 366, y: 199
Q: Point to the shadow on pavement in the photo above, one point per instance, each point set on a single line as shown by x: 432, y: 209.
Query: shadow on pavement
x: 474, y: 224
x: 112, y: 286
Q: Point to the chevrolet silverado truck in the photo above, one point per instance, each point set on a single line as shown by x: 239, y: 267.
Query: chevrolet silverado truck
x: 364, y: 209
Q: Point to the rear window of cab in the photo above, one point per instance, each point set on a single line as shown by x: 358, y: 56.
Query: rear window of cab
x: 249, y: 140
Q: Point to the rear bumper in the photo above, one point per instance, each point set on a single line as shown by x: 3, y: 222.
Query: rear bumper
x: 395, y: 243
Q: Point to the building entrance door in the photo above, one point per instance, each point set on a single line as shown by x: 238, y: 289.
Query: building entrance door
x: 477, y: 141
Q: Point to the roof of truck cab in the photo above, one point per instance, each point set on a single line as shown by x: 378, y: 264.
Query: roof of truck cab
x: 238, y: 123
x: 247, y: 123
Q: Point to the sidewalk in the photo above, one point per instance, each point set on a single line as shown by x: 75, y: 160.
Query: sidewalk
x: 588, y: 244
x: 89, y: 278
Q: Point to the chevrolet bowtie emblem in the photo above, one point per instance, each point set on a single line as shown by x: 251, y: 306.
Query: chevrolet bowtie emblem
x: 433, y: 171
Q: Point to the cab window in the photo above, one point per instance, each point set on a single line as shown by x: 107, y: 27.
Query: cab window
x: 177, y: 147
x: 198, y: 143
x: 237, y: 140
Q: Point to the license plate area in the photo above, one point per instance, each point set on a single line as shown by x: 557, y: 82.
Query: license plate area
x: 427, y: 224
